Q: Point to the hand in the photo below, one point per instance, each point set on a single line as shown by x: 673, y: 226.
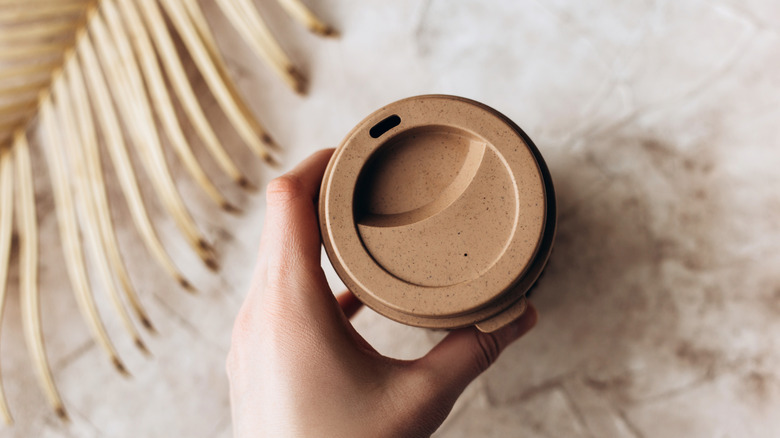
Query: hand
x: 296, y: 365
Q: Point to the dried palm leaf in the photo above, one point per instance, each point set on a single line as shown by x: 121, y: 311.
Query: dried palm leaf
x: 160, y: 97
x: 100, y: 69
x: 110, y: 127
x: 28, y: 275
x: 190, y: 23
x: 178, y: 78
x: 6, y: 224
x: 69, y: 231
x: 245, y: 17
x: 303, y: 14
x: 97, y: 192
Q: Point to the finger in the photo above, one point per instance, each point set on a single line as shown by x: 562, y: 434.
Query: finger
x: 291, y: 236
x: 464, y: 354
x: 349, y: 304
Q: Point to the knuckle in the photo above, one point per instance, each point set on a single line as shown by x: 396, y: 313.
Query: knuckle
x: 487, y: 348
x: 284, y: 189
x: 433, y: 396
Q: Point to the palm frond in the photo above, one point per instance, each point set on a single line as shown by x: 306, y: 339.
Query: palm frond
x: 69, y: 230
x: 95, y: 185
x: 28, y: 275
x: 245, y: 17
x: 181, y: 86
x: 120, y: 158
x: 305, y: 16
x: 189, y: 21
x: 6, y: 228
x: 86, y: 70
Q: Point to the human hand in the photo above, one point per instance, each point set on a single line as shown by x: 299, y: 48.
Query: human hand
x: 296, y: 365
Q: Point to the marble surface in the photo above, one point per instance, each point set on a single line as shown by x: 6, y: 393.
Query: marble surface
x: 660, y: 309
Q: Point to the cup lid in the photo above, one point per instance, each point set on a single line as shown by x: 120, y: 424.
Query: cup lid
x: 433, y: 209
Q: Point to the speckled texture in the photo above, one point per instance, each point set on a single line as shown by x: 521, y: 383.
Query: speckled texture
x: 660, y: 307
x: 438, y: 221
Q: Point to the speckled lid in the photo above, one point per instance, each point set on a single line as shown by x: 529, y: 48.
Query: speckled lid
x: 438, y: 211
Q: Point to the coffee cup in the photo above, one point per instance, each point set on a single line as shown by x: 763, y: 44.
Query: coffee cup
x: 438, y: 211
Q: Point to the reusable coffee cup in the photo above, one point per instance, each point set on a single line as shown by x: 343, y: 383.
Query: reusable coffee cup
x: 438, y: 211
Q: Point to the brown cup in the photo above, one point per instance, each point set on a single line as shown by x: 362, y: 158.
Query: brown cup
x: 438, y: 211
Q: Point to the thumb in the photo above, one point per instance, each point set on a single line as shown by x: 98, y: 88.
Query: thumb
x: 465, y: 353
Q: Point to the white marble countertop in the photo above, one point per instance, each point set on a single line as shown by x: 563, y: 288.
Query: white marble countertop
x: 660, y: 309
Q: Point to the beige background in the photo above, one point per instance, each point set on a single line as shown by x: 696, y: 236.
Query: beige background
x: 660, y: 309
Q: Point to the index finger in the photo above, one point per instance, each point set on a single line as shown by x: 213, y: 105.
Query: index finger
x: 291, y: 232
